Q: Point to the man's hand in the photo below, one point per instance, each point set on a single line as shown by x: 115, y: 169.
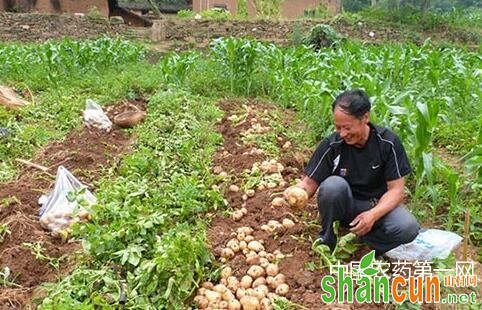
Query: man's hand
x: 363, y: 223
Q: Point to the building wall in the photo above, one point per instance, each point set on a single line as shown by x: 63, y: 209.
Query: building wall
x: 294, y: 8
x: 290, y: 9
x: 201, y: 5
x: 57, y: 6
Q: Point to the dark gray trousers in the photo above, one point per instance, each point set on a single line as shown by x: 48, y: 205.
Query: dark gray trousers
x: 336, y: 202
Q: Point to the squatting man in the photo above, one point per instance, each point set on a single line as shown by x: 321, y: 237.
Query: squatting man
x: 359, y: 173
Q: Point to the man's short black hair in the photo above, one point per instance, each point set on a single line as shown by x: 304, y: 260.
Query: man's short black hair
x: 353, y: 102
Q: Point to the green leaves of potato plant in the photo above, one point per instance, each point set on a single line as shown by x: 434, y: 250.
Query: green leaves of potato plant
x: 146, y: 224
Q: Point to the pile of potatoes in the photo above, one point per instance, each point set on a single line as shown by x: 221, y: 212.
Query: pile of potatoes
x: 273, y: 225
x: 256, y: 128
x: 271, y: 171
x: 253, y: 291
x: 60, y: 223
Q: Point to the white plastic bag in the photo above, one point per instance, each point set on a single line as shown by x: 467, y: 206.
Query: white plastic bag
x: 429, y: 244
x: 66, y: 204
x: 94, y: 117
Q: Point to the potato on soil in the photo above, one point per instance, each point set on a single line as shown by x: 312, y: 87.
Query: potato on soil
x: 250, y: 303
x: 201, y: 301
x: 297, y: 198
x: 256, y: 271
x: 278, y: 202
x: 237, y: 215
x: 282, y: 289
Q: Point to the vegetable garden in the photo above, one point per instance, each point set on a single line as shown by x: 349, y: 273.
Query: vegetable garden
x: 227, y: 130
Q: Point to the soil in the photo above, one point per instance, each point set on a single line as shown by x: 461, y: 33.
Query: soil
x: 84, y: 152
x: 295, y: 243
x: 23, y: 27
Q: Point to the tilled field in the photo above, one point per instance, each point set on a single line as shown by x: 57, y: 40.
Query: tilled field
x: 284, y: 236
x: 31, y: 254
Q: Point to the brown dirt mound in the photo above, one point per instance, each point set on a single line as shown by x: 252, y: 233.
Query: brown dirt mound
x: 84, y: 152
x: 295, y: 242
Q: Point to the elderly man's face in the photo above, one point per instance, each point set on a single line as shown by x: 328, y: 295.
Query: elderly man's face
x: 352, y: 130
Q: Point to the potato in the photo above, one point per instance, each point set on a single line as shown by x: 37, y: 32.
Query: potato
x: 212, y: 296
x: 256, y: 271
x: 233, y: 244
x: 201, y: 291
x: 246, y: 282
x: 272, y: 270
x: 297, y: 197
x: 258, y: 294
x: 243, y: 245
x: 244, y: 197
x: 246, y: 230
x: 274, y: 224
x: 208, y: 285
x: 244, y: 210
x: 250, y: 193
x: 223, y: 174
x: 233, y: 304
x: 270, y: 257
x: 237, y: 215
x: 226, y: 272
x: 266, y: 304
x: 252, y: 260
x: 269, y: 280
x: 263, y: 262
x: 262, y: 253
x: 241, y: 236
x: 201, y: 302
x: 227, y: 296
x: 62, y: 234
x: 44, y: 222
x: 240, y: 293
x: 249, y: 238
x: 223, y: 304
x: 234, y: 188
x: 278, y: 202
x: 267, y: 228
x: 259, y: 281
x: 220, y: 288
x: 227, y: 253
x: 286, y: 145
x: 235, y: 247
x: 233, y: 284
x: 255, y: 246
x: 217, y: 169
x: 271, y: 185
x: 250, y: 303
x: 278, y: 280
x: 84, y: 215
x: 282, y: 289
x: 287, y: 223
x: 263, y: 289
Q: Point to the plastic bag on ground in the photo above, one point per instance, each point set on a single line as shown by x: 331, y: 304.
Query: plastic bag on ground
x: 94, y: 117
x: 66, y: 204
x: 429, y: 244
